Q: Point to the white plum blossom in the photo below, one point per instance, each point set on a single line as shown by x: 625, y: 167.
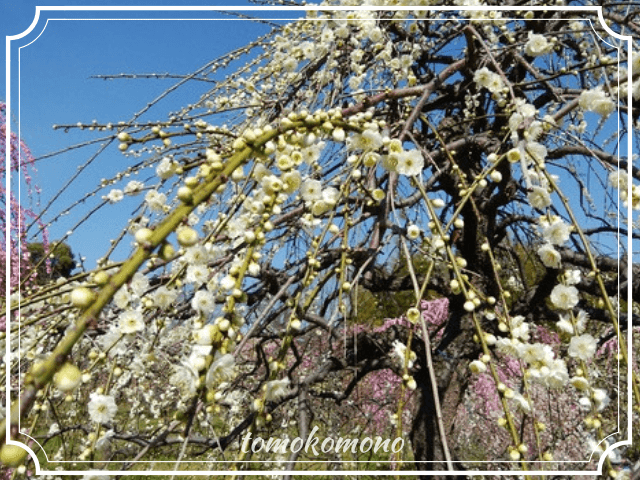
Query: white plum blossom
x: 276, y: 389
x: 535, y: 352
x: 522, y: 116
x: 197, y: 255
x: 410, y: 163
x: 535, y: 152
x: 139, y: 284
x: 557, y: 375
x: 553, y: 374
x: 330, y: 196
x: 271, y: 184
x: 400, y: 349
x: 185, y: 378
x: 115, y: 195
x: 600, y: 398
x: 572, y: 277
x: 596, y: 100
x: 203, y: 302
x: 260, y: 171
x: 319, y: 207
x: 198, y: 357
x: 114, y: 341
x: 311, y: 190
x: 549, y: 256
x: 539, y: 198
x: 291, y: 181
x: 619, y: 179
x: 582, y: 347
x: 227, y: 283
x: 155, y: 200
x: 197, y: 274
x: 102, y: 408
x: 519, y: 328
x: 521, y: 402
x: 165, y: 168
x: 564, y: 297
x: 130, y: 322
x: 390, y: 162
x: 635, y: 62
x: 565, y: 325
x: 537, y: 45
x: 581, y: 321
x: 557, y: 232
x: 134, y: 187
x: 488, y: 79
x: 204, y: 335
x: 366, y: 141
x: 580, y: 383
x: 122, y: 297
x: 222, y: 369
x: 508, y: 346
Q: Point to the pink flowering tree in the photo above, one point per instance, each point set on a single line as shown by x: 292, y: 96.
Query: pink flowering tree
x: 387, y: 225
x: 21, y: 215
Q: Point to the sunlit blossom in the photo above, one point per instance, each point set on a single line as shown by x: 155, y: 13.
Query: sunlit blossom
x: 222, y: 369
x: 564, y: 297
x: 115, y: 196
x: 557, y: 232
x: 130, y: 321
x: 549, y: 256
x: 203, y: 302
x: 276, y: 389
x: 102, y: 408
x: 537, y: 45
x: 582, y: 347
x: 410, y: 163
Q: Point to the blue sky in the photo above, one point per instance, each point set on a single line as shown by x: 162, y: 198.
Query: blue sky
x: 51, y: 84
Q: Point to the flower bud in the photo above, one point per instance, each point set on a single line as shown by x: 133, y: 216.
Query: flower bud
x: 143, y: 235
x: 101, y: 278
x: 166, y: 251
x: 185, y: 194
x: 496, y: 176
x: 82, y: 297
x: 338, y: 135
x: 413, y: 315
x: 12, y: 455
x: 187, y: 237
x: 477, y: 367
x: 67, y: 378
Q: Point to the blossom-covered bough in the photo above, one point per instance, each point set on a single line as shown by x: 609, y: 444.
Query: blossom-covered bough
x: 471, y: 165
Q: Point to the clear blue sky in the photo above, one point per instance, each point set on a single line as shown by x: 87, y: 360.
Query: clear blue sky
x: 55, y: 88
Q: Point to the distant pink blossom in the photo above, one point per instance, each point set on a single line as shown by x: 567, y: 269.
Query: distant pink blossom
x: 22, y: 164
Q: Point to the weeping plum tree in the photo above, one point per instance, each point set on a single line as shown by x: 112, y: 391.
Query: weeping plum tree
x: 470, y: 165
